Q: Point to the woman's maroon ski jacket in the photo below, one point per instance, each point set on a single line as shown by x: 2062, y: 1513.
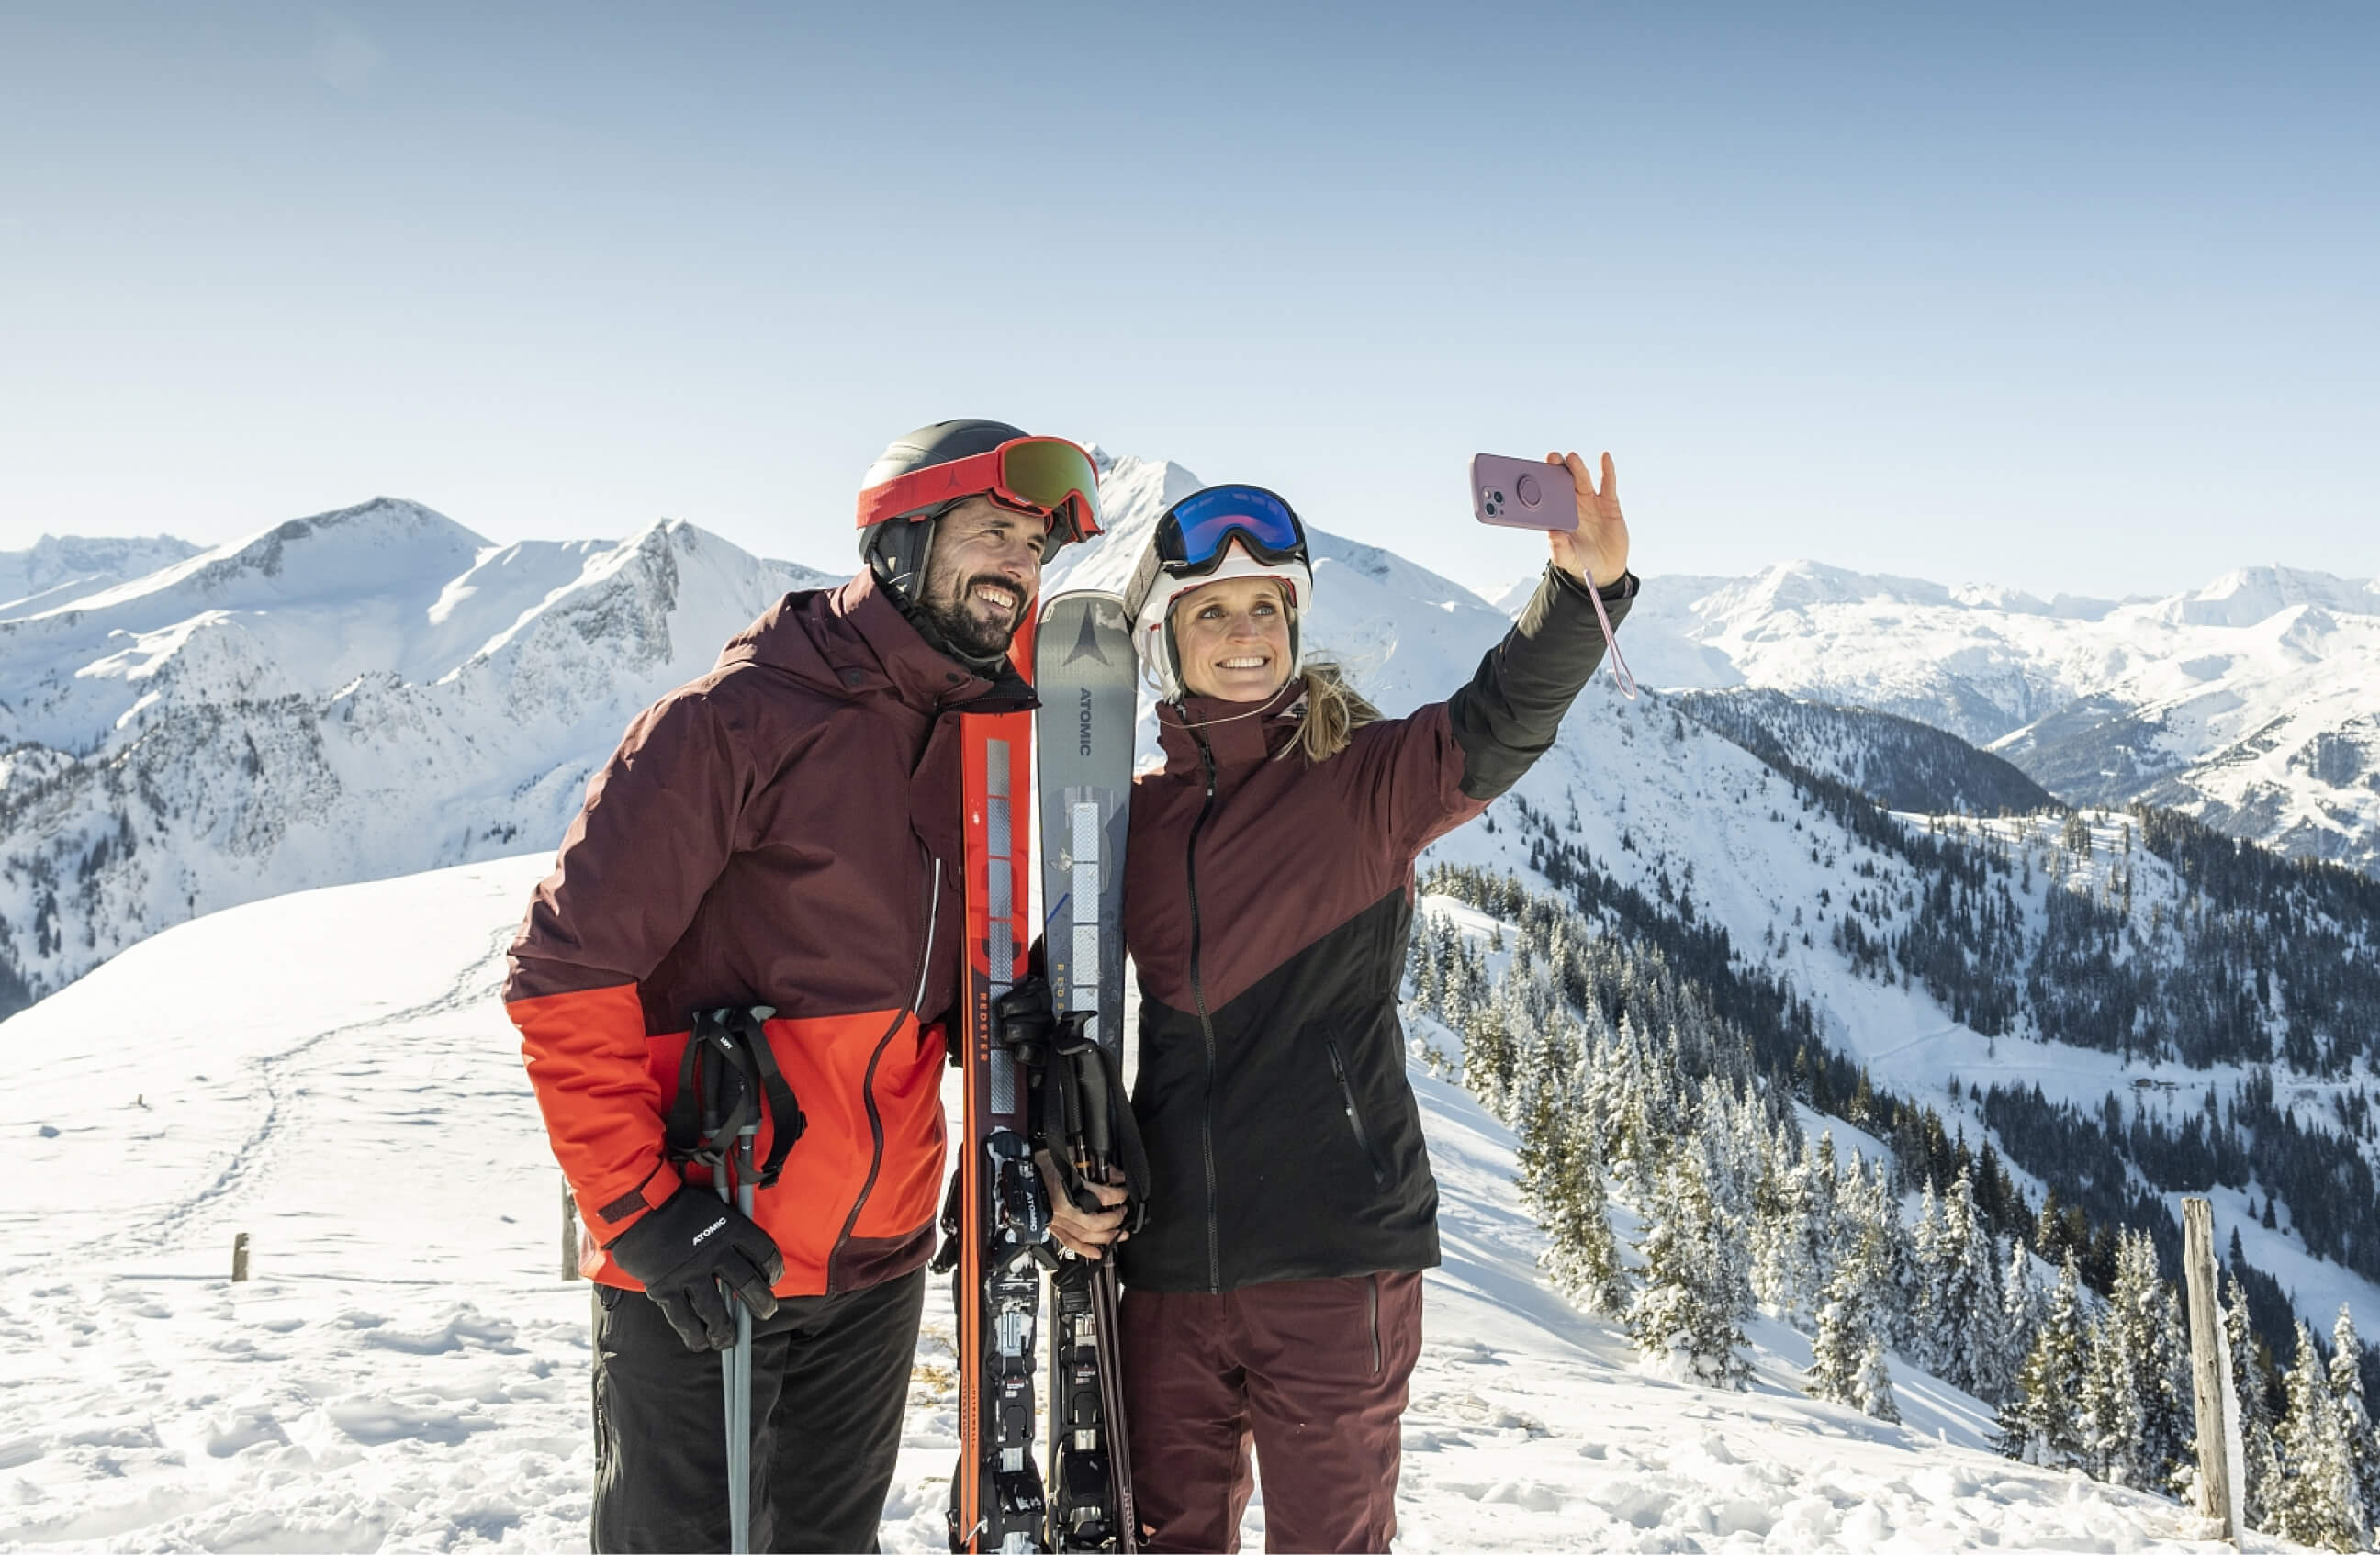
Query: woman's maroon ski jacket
x: 1267, y: 903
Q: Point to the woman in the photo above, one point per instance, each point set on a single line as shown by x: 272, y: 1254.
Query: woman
x: 1273, y: 1294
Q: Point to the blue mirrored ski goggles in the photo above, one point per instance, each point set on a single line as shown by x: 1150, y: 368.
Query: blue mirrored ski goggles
x: 1194, y: 531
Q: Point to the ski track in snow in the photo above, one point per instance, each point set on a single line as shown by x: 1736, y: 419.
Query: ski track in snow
x: 406, y: 1371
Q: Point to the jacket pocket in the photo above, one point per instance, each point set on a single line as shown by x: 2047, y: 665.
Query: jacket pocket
x: 1355, y: 1117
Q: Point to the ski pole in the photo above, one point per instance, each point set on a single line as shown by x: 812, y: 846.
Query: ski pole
x: 736, y: 1365
x: 740, y: 1453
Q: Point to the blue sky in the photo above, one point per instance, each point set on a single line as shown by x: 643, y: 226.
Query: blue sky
x: 2069, y: 299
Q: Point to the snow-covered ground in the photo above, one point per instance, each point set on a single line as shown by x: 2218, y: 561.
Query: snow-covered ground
x: 407, y: 1370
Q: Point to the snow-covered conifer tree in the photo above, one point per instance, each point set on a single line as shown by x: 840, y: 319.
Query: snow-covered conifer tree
x: 1697, y: 1291
x: 1422, y: 964
x: 1869, y: 1207
x: 2260, y: 1452
x: 2175, y: 1432
x: 2111, y: 1410
x: 1490, y: 1061
x: 1964, y: 1318
x: 1642, y: 1141
x: 2316, y: 1503
x: 2043, y: 1421
x: 1822, y: 1229
x: 2019, y: 1306
x: 1562, y: 1180
x: 2355, y: 1415
x: 1847, y: 1356
x: 1734, y: 1139
x: 1921, y: 1338
x: 2136, y: 1390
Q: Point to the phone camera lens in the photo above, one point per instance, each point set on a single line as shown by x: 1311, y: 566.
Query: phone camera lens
x: 1526, y: 488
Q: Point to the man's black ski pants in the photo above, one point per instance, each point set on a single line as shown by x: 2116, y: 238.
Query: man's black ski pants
x: 830, y: 1381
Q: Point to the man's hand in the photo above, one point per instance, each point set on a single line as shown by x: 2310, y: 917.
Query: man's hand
x: 1597, y: 553
x: 685, y: 1251
x: 1076, y: 1231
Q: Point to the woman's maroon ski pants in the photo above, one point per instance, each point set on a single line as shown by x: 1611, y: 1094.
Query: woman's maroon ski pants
x: 1312, y: 1373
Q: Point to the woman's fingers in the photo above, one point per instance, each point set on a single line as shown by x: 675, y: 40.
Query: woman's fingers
x: 1596, y: 551
x: 1580, y: 474
x: 1590, y: 493
x: 1076, y: 1231
x: 1076, y: 1244
x: 1085, y: 1234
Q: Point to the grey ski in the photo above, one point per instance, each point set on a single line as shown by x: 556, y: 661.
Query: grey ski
x: 1085, y: 676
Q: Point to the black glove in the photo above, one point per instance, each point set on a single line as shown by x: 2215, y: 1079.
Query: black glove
x: 683, y: 1251
x: 1024, y: 1019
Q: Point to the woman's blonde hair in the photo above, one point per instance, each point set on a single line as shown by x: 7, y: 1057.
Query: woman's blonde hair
x: 1334, y: 711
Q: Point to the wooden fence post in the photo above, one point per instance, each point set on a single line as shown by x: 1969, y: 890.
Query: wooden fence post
x: 569, y: 1232
x: 239, y: 1257
x: 2221, y: 1482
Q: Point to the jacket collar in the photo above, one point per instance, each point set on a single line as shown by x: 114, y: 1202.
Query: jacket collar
x: 855, y: 638
x: 922, y: 675
x: 1236, y: 733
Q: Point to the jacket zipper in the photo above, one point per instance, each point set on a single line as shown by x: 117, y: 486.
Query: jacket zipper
x: 867, y: 1085
x: 1356, y: 1119
x: 1372, y: 1310
x: 1207, y: 1026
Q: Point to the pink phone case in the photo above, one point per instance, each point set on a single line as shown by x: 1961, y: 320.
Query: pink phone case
x: 1523, y: 493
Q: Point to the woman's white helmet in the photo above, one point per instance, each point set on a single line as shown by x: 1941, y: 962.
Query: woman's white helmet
x: 1218, y: 532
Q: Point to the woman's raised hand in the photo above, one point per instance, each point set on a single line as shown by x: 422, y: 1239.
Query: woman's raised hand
x: 1598, y: 552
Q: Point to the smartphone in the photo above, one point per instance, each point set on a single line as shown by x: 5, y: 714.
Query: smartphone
x: 1523, y: 493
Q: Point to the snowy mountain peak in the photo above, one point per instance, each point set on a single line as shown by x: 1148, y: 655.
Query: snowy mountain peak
x: 2250, y: 703
x: 1134, y: 493
x: 355, y: 693
x: 1992, y: 596
x: 2249, y: 594
x: 373, y: 549
x: 1798, y: 584
x: 58, y: 569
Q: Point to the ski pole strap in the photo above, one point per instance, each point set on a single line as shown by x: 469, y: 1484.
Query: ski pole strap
x: 1087, y: 1118
x: 785, y: 1120
x: 727, y: 1080
x: 710, y: 1106
x: 946, y: 1257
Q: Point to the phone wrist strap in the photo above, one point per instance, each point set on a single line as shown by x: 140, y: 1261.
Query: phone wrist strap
x: 1620, y: 670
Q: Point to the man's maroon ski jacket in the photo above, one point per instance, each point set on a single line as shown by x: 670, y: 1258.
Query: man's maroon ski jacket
x: 1267, y: 903
x: 784, y: 831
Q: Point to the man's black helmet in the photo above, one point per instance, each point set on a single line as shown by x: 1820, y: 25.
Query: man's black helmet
x: 897, y: 506
x: 895, y: 548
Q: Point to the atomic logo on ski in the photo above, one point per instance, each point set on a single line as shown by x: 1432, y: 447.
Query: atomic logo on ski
x: 1088, y: 644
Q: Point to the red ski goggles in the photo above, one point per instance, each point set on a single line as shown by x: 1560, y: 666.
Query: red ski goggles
x: 1049, y: 477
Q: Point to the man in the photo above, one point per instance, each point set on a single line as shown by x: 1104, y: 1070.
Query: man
x: 785, y: 832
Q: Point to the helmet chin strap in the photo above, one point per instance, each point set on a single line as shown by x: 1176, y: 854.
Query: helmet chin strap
x: 899, y: 558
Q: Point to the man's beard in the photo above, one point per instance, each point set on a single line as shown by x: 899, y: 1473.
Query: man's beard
x: 960, y: 626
